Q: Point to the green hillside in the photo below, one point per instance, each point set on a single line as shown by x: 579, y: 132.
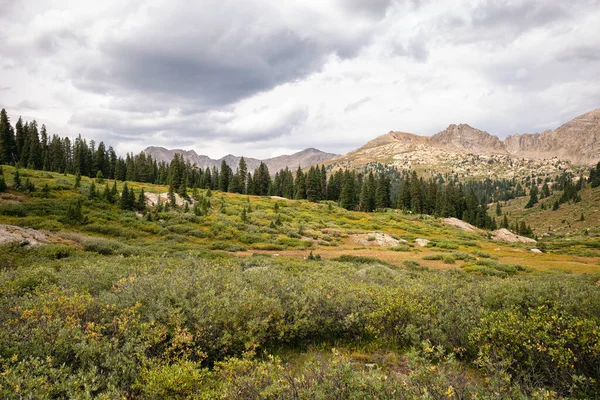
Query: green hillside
x: 236, y: 296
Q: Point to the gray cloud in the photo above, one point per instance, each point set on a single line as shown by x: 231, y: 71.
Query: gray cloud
x: 357, y: 104
x: 260, y: 75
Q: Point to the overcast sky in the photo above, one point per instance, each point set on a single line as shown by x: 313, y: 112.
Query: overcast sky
x: 265, y: 77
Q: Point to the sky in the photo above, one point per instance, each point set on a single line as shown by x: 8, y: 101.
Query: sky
x: 262, y: 78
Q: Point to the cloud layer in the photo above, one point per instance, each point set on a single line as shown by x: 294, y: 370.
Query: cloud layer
x: 260, y: 78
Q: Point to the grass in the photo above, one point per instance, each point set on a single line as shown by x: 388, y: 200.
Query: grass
x: 212, y: 306
x: 302, y: 227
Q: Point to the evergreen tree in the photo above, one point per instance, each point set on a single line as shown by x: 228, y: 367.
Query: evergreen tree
x: 19, y: 137
x: 242, y: 173
x: 16, y: 180
x: 108, y: 194
x: 533, y: 199
x: 2, y: 184
x: 300, y: 185
x: 100, y: 177
x: 323, y: 183
x: 92, y: 191
x: 124, y: 201
x: 498, y: 209
x: 225, y: 177
x: 382, y: 193
x: 348, y: 195
x: 545, y: 191
x: 505, y: 222
x: 171, y: 195
x: 114, y: 191
x: 7, y: 140
x: 313, y: 185
x: 262, y: 180
x: 141, y: 202
x: 75, y: 214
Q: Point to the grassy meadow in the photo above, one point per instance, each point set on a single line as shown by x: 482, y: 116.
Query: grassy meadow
x: 267, y: 298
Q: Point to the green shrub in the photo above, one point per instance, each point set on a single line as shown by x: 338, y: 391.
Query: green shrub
x: 267, y: 246
x: 400, y: 247
x: 226, y: 247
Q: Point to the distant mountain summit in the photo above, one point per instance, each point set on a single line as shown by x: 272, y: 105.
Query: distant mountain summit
x: 577, y: 141
x: 305, y: 158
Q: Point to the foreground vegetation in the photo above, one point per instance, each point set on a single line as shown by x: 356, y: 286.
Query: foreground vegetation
x: 236, y: 296
x: 217, y: 326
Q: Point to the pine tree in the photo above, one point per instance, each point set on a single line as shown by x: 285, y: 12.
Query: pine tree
x: 99, y: 177
x: 77, y: 180
x: 382, y: 193
x: 114, y: 191
x: 555, y: 206
x: 498, y: 209
x: 16, y: 184
x: 171, y: 195
x: 92, y: 191
x: 242, y: 173
x: 124, y: 201
x: 8, y: 149
x: 140, y: 204
x: 533, y: 199
x: 225, y: 177
x: 313, y: 182
x: 2, y: 184
x: 300, y: 185
x: 75, y: 214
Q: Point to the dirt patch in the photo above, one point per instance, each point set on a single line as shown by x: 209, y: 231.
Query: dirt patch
x: 152, y: 199
x: 462, y: 225
x: 375, y: 239
x: 504, y: 235
x: 26, y: 237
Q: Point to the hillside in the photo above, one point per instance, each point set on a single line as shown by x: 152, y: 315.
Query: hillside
x: 484, y: 155
x: 305, y: 158
x: 229, y: 293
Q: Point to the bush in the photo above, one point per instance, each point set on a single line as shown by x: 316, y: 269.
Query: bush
x: 400, y: 247
x: 108, y: 247
x: 226, y: 247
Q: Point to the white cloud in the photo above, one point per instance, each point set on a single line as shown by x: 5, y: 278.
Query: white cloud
x: 257, y: 78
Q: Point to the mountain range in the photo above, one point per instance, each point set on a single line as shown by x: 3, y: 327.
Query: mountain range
x: 577, y: 142
x: 302, y: 159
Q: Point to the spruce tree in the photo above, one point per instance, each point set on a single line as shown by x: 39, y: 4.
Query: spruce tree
x: 2, y: 184
x: 533, y: 199
x: 141, y: 201
x: 7, y: 140
x: 92, y: 191
x: 99, y: 177
x: 382, y: 193
x: 16, y: 184
x: 242, y: 173
x: 124, y: 202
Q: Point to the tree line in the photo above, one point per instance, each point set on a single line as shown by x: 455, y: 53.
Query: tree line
x: 24, y: 145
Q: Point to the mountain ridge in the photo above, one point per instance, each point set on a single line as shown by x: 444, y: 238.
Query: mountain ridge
x: 576, y: 141
x: 304, y: 158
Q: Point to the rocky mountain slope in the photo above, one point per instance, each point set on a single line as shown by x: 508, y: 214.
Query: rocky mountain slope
x: 304, y: 158
x: 482, y: 154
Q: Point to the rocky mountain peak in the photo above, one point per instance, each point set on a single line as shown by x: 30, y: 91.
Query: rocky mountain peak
x: 465, y: 138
